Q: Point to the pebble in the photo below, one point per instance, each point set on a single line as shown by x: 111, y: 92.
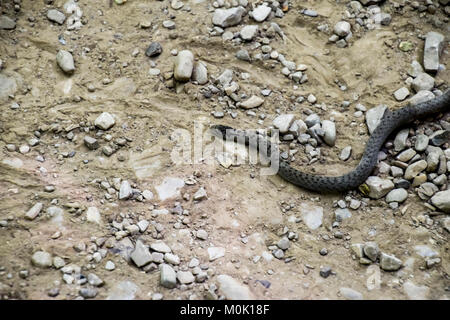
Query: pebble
x: 341, y: 214
x: 185, y: 277
x: 400, y: 140
x: 228, y: 17
x: 125, y: 191
x: 215, y: 253
x: 249, y: 32
x: 124, y: 290
x: 325, y: 272
x: 390, y: 262
x: 160, y: 246
x: 432, y: 50
x: 65, y: 61
x: 415, y: 292
x: 56, y: 16
x: 168, y: 277
x: 200, y: 194
x: 421, y: 96
x: 154, y: 49
x: 342, y: 28
x: 345, y: 153
x: 252, y: 102
x: 421, y: 142
x: 172, y: 258
x: 233, y: 289
x: 169, y: 24
x: 373, y: 117
x: 401, y: 94
x: 371, y: 250
x: 201, y: 234
x: 243, y: 55
x: 42, y: 259
x: 261, y: 12
x: 284, y: 243
x: 88, y: 293
x: 200, y: 73
x: 6, y: 23
x: 91, y: 143
x: 378, y: 187
x: 93, y: 215
x: 423, y: 82
x: 94, y: 280
x: 350, y: 294
x: 184, y: 65
x: 104, y: 121
x: 34, y: 211
x: 283, y: 122
x: 329, y: 128
x: 397, y: 195
x: 414, y: 169
x: 441, y: 200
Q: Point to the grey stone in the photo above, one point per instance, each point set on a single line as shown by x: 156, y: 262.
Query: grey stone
x: 125, y: 191
x: 88, y: 293
x: 215, y: 253
x: 42, y: 259
x: 104, y: 121
x: 168, y: 277
x: 34, y: 211
x: 65, y: 61
x: 350, y: 294
x: 283, y: 122
x: 415, y: 69
x: 397, y: 195
x: 232, y: 289
x: 345, y: 153
x: 400, y: 140
x: 312, y: 216
x: 373, y: 117
x: 252, y: 102
x: 401, y: 94
x: 200, y: 73
x: 423, y: 82
x: 154, y: 49
x: 6, y: 23
x: 200, y: 194
x: 249, y: 32
x: 414, y: 169
x: 228, y: 17
x: 421, y: 96
x: 225, y: 78
x: 433, y: 47
x: 284, y: 243
x: 261, y: 12
x: 160, y: 246
x: 93, y: 215
x: 56, y: 16
x: 141, y: 255
x: 94, y: 280
x: 382, y: 18
x: 441, y: 200
x: 415, y: 292
x: 329, y: 128
x: 390, y: 262
x: 371, y: 251
x: 341, y: 214
x: 243, y: 55
x: 342, y: 28
x: 185, y: 277
x: 378, y: 187
x: 421, y: 142
x: 124, y: 290
x: 184, y: 64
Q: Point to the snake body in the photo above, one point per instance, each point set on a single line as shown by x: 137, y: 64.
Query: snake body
x: 351, y: 180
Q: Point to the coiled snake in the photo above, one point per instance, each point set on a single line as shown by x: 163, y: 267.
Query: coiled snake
x: 351, y: 180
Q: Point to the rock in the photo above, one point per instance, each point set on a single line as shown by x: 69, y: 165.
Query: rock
x: 243, y: 55
x: 58, y: 262
x: 345, y: 153
x: 200, y: 194
x: 124, y: 290
x: 6, y: 23
x: 312, y: 120
x: 401, y: 94
x: 406, y: 46
x: 185, y: 277
x: 371, y: 251
x: 341, y: 214
x: 147, y: 194
x: 42, y: 259
x: 284, y: 243
x: 169, y: 24
x: 441, y: 200
x: 350, y: 294
x: 433, y: 47
x: 382, y: 18
x: 172, y: 258
x: 397, y: 195
x: 390, y: 262
x: 201, y: 234
x: 421, y: 142
x: 423, y: 82
x: 373, y: 117
x: 104, y: 121
x: 446, y: 223
x: 325, y: 272
x: 440, y: 137
x: 378, y: 187
x: 414, y: 169
x: 125, y: 191
x: 160, y: 246
x: 169, y: 188
x: 415, y: 69
x: 93, y: 215
x: 232, y: 289
x: 329, y: 127
x: 415, y: 292
x: 228, y: 17
x: 421, y: 96
x: 141, y: 255
x: 358, y: 249
x: 215, y: 253
x: 200, y: 73
x: 425, y: 251
x: 252, y: 102
x: 88, y: 293
x: 154, y: 49
x: 261, y: 12
x: 312, y: 215
x: 168, y: 277
x: 110, y: 265
x: 34, y: 211
x: 369, y: 2
x: 8, y: 86
x: 56, y: 16
x: 283, y: 122
x: 225, y: 78
x: 342, y: 28
x: 184, y: 64
x: 65, y: 61
x: 400, y: 140
x: 94, y: 280
x: 249, y: 32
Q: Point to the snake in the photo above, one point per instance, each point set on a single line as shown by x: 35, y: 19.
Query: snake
x: 390, y: 120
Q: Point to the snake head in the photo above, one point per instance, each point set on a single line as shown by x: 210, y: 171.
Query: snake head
x: 364, y: 189
x: 220, y: 129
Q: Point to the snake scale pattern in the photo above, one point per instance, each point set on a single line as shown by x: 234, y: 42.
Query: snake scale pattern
x: 351, y: 180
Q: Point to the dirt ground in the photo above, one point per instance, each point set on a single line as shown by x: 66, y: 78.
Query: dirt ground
x: 240, y: 204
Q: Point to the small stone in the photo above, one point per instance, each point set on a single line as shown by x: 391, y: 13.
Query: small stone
x: 329, y: 128
x: 94, y: 280
x: 93, y: 215
x: 215, y: 253
x: 184, y: 65
x: 441, y: 200
x: 65, y: 61
x: 6, y: 23
x: 172, y: 258
x: 397, y: 195
x: 373, y: 117
x: 160, y: 246
x: 200, y: 194
x: 284, y: 243
x: 141, y: 255
x: 421, y: 142
x: 154, y: 49
x: 233, y: 289
x: 88, y: 293
x: 261, y: 12
x: 243, y: 55
x: 283, y: 122
x: 414, y: 169
x: 104, y: 121
x: 228, y: 17
x: 401, y: 94
x: 345, y: 153
x: 168, y: 276
x: 185, y: 277
x: 432, y: 50
x: 110, y: 265
x: 415, y: 292
x: 371, y: 251
x: 350, y: 294
x: 378, y: 187
x: 400, y: 140
x: 325, y: 272
x: 421, y: 96
x: 91, y: 143
x: 200, y: 73
x: 42, y: 259
x: 423, y: 82
x: 34, y: 211
x: 56, y: 16
x: 252, y: 102
x: 125, y: 191
x: 201, y: 234
x: 342, y: 28
x: 390, y: 262
x: 249, y: 32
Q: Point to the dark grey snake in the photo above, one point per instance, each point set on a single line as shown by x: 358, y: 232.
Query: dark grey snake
x: 388, y: 123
